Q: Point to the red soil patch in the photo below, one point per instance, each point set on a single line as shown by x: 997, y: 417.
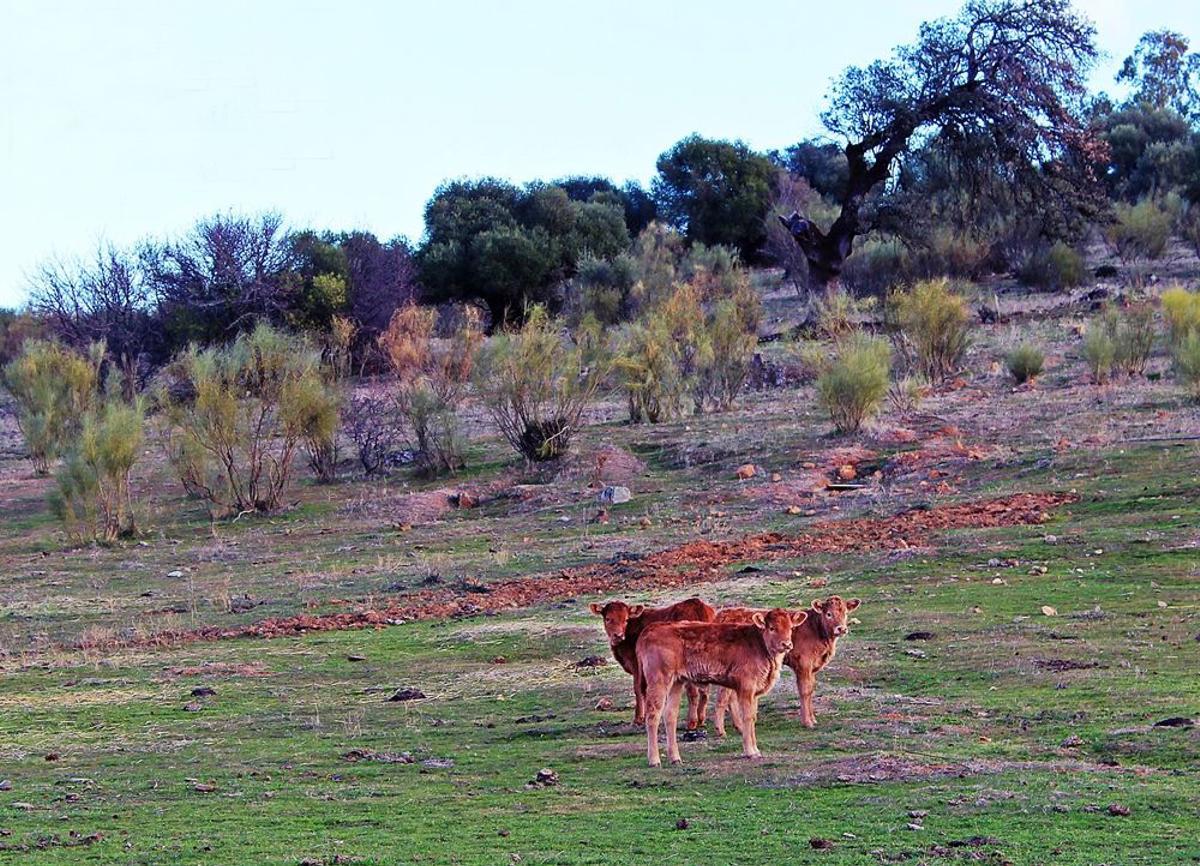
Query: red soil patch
x: 684, y: 566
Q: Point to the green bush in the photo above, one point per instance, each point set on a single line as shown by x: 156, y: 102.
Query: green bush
x: 237, y: 414
x: 1054, y: 268
x: 1100, y: 353
x: 934, y: 321
x: 536, y: 383
x: 1186, y: 358
x: 1133, y: 333
x: 731, y: 336
x: 1181, y: 309
x: 951, y: 253
x: 854, y: 384
x: 92, y: 496
x: 53, y: 387
x: 1139, y: 231
x: 1025, y: 363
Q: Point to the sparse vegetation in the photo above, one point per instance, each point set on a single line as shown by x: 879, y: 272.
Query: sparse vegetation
x: 1025, y: 363
x: 932, y: 322
x: 237, y: 415
x: 853, y: 386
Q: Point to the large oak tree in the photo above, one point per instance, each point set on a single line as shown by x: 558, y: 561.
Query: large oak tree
x: 1005, y: 77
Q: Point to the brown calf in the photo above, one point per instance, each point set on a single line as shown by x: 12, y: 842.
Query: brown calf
x: 814, y: 643
x: 743, y: 658
x: 625, y: 623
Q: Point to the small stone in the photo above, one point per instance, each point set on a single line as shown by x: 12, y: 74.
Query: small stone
x: 919, y: 635
x: 502, y: 833
x: 776, y: 477
x: 604, y: 704
x: 1162, y: 604
x: 917, y: 814
x: 1118, y: 810
x: 915, y: 826
x: 915, y: 653
x: 1038, y: 569
x: 682, y: 824
x: 591, y: 662
x: 847, y: 472
x: 795, y: 509
x: 356, y: 658
x: 819, y: 844
x: 1175, y: 722
x: 193, y: 707
x: 614, y: 495
x: 998, y: 581
x: 175, y: 573
x: 747, y: 471
x: 1048, y: 610
x: 1072, y: 742
x: 1050, y: 539
x: 546, y: 777
x: 5, y: 785
x: 203, y: 692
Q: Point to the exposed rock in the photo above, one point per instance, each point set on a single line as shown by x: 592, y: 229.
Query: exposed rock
x: 407, y: 694
x: 614, y: 494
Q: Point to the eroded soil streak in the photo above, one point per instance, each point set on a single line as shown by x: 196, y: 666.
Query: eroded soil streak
x: 684, y: 566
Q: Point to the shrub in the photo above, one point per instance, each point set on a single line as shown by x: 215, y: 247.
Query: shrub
x: 934, y: 321
x: 876, y: 267
x: 1133, y: 335
x: 238, y: 413
x: 1054, y: 268
x: 1025, y: 363
x: 536, y: 384
x: 432, y: 375
x: 1181, y: 309
x: 836, y: 315
x: 853, y: 386
x: 319, y: 409
x: 373, y: 427
x: 905, y: 395
x: 731, y: 336
x: 92, y: 496
x: 1100, y: 353
x: 952, y: 253
x: 1186, y: 357
x: 53, y: 387
x: 1138, y: 231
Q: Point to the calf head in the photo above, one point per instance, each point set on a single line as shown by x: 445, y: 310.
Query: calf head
x: 616, y: 616
x: 776, y: 628
x: 832, y: 615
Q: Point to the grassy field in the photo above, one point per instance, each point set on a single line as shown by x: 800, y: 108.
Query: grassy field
x: 1012, y: 735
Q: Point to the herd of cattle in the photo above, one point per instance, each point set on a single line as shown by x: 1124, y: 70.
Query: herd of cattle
x: 691, y: 645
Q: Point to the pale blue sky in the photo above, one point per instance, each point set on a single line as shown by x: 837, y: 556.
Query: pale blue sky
x: 122, y: 118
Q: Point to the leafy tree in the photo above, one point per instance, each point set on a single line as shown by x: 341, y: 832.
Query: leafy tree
x: 511, y: 247
x: 715, y: 192
x: 1151, y: 151
x: 821, y: 163
x: 1163, y: 74
x: 1006, y: 76
x: 381, y: 277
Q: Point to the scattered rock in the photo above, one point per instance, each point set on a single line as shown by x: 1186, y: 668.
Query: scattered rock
x: 915, y: 653
x: 591, y: 662
x: 682, y: 824
x: 502, y: 833
x: 1038, y: 569
x: 818, y: 582
x: 614, y: 494
x: 438, y: 763
x: 1048, y: 610
x: 1176, y: 722
x: 747, y: 471
x: 193, y: 707
x: 819, y: 844
x: 915, y: 826
x: 545, y: 778
x: 1050, y: 539
x: 407, y: 694
x: 175, y: 573
x: 1118, y: 810
x: 1072, y: 742
x: 24, y: 807
x: 847, y: 472
x: 356, y: 658
x: 604, y: 704
x: 796, y: 509
x: 918, y: 814
x: 354, y: 756
x: 203, y: 692
x: 776, y: 477
x: 919, y: 635
x: 203, y: 787
x: 5, y: 785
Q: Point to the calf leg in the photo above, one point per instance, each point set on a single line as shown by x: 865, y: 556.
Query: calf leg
x: 723, y: 696
x: 673, y: 699
x: 639, y: 699
x: 806, y: 684
x: 746, y: 707
x: 697, y: 706
x: 653, y: 699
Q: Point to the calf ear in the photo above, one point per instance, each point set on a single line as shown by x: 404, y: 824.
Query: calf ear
x: 597, y: 608
x: 853, y: 603
x: 636, y: 610
x: 798, y: 617
x: 759, y: 620
x: 817, y: 604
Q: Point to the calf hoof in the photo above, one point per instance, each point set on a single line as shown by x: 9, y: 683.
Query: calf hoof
x: 639, y: 720
x: 809, y: 723
x: 721, y: 733
x: 654, y: 763
x: 754, y: 756
x: 676, y: 761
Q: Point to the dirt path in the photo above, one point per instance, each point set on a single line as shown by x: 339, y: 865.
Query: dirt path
x: 684, y: 566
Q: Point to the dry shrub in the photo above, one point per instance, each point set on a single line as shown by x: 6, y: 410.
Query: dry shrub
x: 432, y: 375
x: 374, y: 428
x: 238, y: 413
x: 1181, y: 309
x: 92, y: 496
x: 853, y: 386
x: 1185, y: 356
x: 536, y: 383
x: 1054, y: 268
x: 933, y: 322
x: 53, y: 387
